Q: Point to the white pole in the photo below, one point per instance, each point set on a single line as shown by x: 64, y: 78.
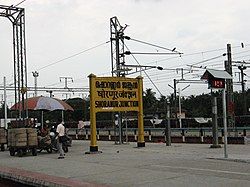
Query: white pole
x: 5, y: 103
x: 179, y: 90
x: 225, y: 123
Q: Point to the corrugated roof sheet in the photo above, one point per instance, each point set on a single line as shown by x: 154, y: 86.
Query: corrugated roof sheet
x: 221, y: 74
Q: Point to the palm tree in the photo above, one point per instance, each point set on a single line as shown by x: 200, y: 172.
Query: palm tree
x: 149, y: 101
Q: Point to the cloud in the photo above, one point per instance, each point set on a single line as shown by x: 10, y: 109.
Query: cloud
x: 56, y: 29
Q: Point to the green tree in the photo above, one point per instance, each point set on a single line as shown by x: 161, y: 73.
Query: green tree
x: 149, y: 101
x: 162, y: 105
x: 2, y: 111
x: 197, y: 106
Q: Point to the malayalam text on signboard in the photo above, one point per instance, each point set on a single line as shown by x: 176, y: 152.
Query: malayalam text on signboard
x: 115, y: 94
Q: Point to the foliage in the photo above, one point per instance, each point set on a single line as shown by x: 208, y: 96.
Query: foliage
x: 2, y: 111
x: 197, y: 106
x: 149, y: 101
x: 194, y: 106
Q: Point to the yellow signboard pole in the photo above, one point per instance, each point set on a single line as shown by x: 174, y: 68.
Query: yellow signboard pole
x: 141, y: 142
x: 93, y: 141
x: 115, y: 94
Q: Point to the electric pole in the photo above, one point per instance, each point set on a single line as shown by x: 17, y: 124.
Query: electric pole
x: 117, y: 59
x: 242, y: 68
x: 66, y: 95
x: 179, y: 116
x: 229, y: 84
x: 5, y: 104
x: 117, y: 46
x: 167, y: 125
x: 66, y: 80
x: 175, y: 102
x: 215, y: 122
x: 50, y: 93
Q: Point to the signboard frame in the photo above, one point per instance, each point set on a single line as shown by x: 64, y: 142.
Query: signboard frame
x: 114, y: 94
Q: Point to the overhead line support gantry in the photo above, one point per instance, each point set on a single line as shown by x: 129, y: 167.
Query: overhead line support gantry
x: 17, y: 18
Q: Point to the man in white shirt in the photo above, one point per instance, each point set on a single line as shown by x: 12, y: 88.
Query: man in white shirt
x: 60, y: 132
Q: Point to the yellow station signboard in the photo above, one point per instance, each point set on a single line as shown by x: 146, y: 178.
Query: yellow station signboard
x: 111, y: 94
x: 115, y: 94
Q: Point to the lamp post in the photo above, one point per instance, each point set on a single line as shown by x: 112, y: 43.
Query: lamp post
x: 35, y: 75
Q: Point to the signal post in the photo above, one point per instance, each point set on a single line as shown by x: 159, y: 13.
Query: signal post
x: 216, y: 80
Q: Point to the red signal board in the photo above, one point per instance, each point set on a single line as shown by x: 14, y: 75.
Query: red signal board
x: 217, y: 83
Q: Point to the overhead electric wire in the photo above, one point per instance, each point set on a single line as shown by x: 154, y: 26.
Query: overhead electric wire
x: 147, y: 43
x: 149, y: 53
x: 54, y: 84
x: 56, y: 62
x: 242, y: 56
x: 76, y: 80
x: 20, y: 3
x: 208, y: 63
x: 190, y: 54
x: 160, y: 76
x: 196, y: 53
x: 171, y: 72
x: 169, y: 77
x: 162, y: 60
x: 216, y: 64
x: 71, y: 56
x: 213, y: 58
x: 162, y: 79
x: 159, y: 81
x: 241, y: 52
x: 205, y: 61
x: 144, y: 71
x: 109, y: 41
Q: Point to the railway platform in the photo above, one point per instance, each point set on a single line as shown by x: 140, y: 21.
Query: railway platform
x: 126, y: 165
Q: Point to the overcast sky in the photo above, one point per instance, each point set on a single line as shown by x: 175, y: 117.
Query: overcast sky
x: 57, y: 29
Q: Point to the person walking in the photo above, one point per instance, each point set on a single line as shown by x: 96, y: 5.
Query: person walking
x: 60, y: 130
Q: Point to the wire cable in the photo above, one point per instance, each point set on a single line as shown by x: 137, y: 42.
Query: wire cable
x: 208, y: 59
x: 56, y: 62
x: 20, y: 3
x: 172, y: 50
x: 144, y: 71
x: 196, y: 53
